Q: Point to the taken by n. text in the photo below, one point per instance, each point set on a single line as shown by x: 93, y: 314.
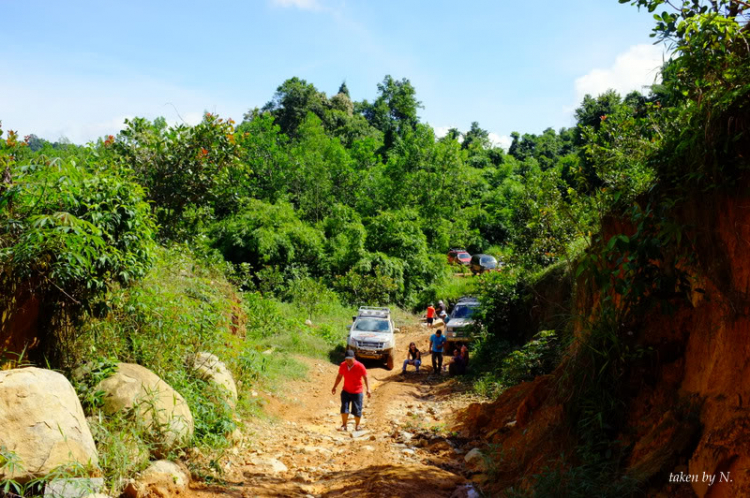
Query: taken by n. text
x: 709, y: 478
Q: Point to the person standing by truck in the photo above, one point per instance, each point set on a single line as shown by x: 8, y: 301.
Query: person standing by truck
x: 353, y: 373
x: 437, y: 344
x: 430, y: 315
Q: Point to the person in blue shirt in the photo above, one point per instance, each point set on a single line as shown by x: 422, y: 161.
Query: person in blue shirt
x: 437, y: 344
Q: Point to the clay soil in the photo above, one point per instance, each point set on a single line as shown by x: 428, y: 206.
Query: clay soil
x: 407, y: 445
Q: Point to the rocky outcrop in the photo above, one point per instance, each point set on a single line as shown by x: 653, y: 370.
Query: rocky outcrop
x: 210, y: 368
x: 42, y: 422
x: 159, y: 407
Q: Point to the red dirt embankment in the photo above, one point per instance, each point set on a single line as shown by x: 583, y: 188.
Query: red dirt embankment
x: 689, y: 403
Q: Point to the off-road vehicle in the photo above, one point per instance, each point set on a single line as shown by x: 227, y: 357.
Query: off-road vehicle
x: 481, y: 263
x: 371, y: 335
x: 460, y: 325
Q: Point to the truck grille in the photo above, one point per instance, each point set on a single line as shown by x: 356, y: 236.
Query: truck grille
x: 370, y: 345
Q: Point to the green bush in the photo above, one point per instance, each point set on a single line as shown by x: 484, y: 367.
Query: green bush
x: 264, y: 234
x: 69, y: 233
x: 184, y: 169
x: 536, y: 357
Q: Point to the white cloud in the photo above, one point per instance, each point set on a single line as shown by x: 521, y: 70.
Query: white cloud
x: 632, y: 70
x: 300, y: 4
x: 84, y: 108
x: 496, y: 140
x: 503, y: 141
x: 441, y: 131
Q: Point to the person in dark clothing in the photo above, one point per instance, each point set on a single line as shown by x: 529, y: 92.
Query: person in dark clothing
x: 465, y: 355
x: 413, y: 357
x: 456, y: 365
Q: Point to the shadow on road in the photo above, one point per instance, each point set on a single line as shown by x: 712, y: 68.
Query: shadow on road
x: 392, y: 480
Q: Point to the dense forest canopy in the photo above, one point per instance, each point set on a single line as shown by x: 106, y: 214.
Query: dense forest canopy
x: 358, y: 195
x: 327, y: 187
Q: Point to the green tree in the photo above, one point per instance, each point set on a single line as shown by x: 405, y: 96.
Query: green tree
x: 395, y: 109
x: 269, y: 235
x: 322, y: 171
x: 293, y: 101
x: 476, y: 136
x: 265, y: 151
x: 185, y: 169
x: 343, y: 89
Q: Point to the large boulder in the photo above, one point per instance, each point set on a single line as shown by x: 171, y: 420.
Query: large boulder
x: 159, y: 407
x: 210, y: 368
x: 42, y: 422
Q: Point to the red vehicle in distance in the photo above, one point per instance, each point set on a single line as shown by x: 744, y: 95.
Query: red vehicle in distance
x: 459, y: 257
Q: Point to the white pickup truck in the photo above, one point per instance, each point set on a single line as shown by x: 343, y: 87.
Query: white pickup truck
x: 371, y: 335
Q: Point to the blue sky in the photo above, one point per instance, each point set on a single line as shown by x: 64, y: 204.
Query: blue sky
x: 77, y: 69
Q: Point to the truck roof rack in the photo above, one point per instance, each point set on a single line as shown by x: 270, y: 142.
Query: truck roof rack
x: 467, y: 299
x: 374, y: 312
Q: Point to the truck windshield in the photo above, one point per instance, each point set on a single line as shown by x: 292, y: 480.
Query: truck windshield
x: 371, y: 325
x: 489, y: 262
x: 463, y: 312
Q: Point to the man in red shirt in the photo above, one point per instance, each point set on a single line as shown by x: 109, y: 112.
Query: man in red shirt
x: 353, y: 373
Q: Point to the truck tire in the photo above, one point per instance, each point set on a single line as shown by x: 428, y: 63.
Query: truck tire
x: 389, y: 362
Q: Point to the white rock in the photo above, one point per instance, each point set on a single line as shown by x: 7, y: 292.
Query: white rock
x: 42, y: 423
x: 209, y: 367
x: 269, y: 465
x: 167, y: 472
x: 312, y: 450
x: 474, y: 458
x: 156, y: 403
x: 76, y: 487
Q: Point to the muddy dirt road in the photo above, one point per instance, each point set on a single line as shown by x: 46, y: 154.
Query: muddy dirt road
x: 406, y: 446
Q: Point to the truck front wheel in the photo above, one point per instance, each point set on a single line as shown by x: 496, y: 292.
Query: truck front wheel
x: 389, y: 362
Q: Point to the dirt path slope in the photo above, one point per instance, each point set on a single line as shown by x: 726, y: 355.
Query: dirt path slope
x: 405, y: 448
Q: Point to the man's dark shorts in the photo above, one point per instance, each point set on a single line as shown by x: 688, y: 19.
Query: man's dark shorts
x: 430, y: 320
x: 355, y: 400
